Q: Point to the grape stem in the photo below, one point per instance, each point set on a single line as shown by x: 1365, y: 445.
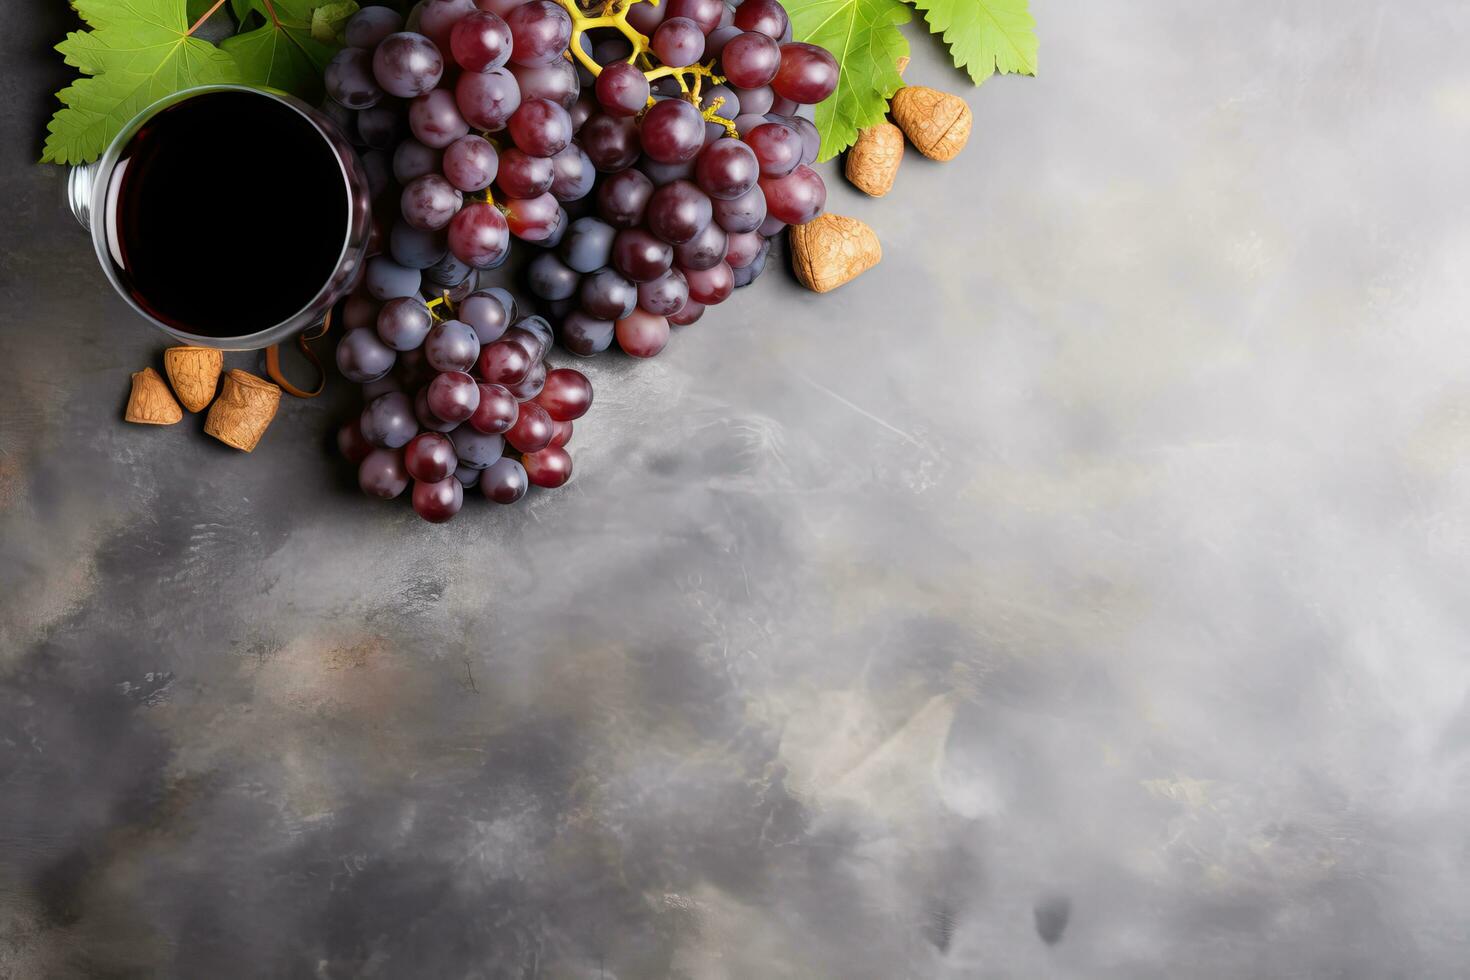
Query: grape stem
x: 443, y: 301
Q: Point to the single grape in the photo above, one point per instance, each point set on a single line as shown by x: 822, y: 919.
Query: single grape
x: 360, y: 310
x: 582, y: 110
x: 672, y: 131
x: 705, y: 13
x: 474, y: 448
x: 561, y: 433
x: 524, y: 175
x: 796, y: 198
x: 428, y: 202
x: 771, y: 227
x: 541, y: 29
x: 623, y: 197
x: 497, y: 410
x: 531, y: 386
x: 574, y: 174
x: 746, y: 124
x: 414, y: 248
x: 407, y: 65
x: 349, y: 79
x: 413, y: 159
x: 425, y: 415
x: 403, y: 323
x: 366, y: 28
x: 533, y: 219
x: 438, y: 17
x: 487, y: 99
x: 504, y: 363
x: 642, y: 334
x: 413, y: 371
x: 609, y: 49
x: 726, y: 169
x: 541, y: 127
x: 556, y: 82
x: 382, y: 474
x: 766, y: 16
x: 382, y: 126
x: 665, y: 295
x: 782, y: 109
x: 741, y: 249
x: 747, y: 274
x: 755, y: 101
x: 606, y: 295
x: 549, y: 468
x: 690, y: 312
x: 453, y: 396
x: 429, y: 456
x: 678, y: 42
x: 505, y: 481
x: 640, y: 256
x: 645, y: 17
x: 386, y: 279
x: 778, y: 148
x: 703, y: 251
x: 351, y: 444
x: 678, y: 211
x: 714, y: 45
x: 438, y: 501
x: 447, y: 273
x: 388, y: 420
x: 470, y: 163
x: 744, y: 213
x: 587, y: 245
x: 808, y: 73
x: 480, y: 42
x: 451, y: 346
x: 479, y: 236
x: 553, y: 238
x: 751, y: 60
x: 712, y: 285
x: 622, y: 89
x: 611, y: 142
x: 485, y: 312
x: 532, y: 430
x: 584, y: 334
x: 567, y: 394
x: 467, y: 476
x: 549, y: 278
x: 362, y: 357
x: 435, y: 120
x: 663, y: 173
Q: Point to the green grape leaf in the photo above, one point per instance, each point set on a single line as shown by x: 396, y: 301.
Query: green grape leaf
x: 136, y: 52
x: 281, y: 53
x: 863, y: 36
x: 327, y: 21
x: 985, y: 36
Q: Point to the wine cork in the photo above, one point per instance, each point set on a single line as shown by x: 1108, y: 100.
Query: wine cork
x: 243, y: 411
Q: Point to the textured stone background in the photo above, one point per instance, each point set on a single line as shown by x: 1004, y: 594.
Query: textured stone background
x: 1080, y: 594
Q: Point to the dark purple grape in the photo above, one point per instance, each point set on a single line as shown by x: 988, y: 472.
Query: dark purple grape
x: 541, y: 29
x: 487, y: 99
x: 524, y: 175
x: 414, y: 248
x: 429, y: 457
x: 497, y: 410
x: 504, y: 363
x: 771, y: 227
x: 532, y: 430
x: 480, y: 42
x: 382, y: 474
x: 567, y: 394
x: 556, y: 82
x: 471, y: 163
x: 438, y: 17
x: 447, y: 273
x: 550, y: 468
x: 744, y: 213
x: 714, y: 45
x: 438, y: 501
x: 678, y: 211
x: 533, y: 219
x: 435, y: 120
x: 645, y: 17
x: 582, y: 110
x: 479, y: 236
x: 705, y: 13
x: 384, y: 125
x: 425, y: 415
x: 622, y: 89
x: 403, y: 323
x: 766, y: 16
x: 777, y: 147
x: 379, y: 169
x: 531, y: 386
x: 712, y: 285
x: 413, y: 159
x: 726, y: 169
x: 606, y: 295
x: 690, y: 312
x: 386, y: 279
x: 537, y: 327
x: 505, y: 481
x: 642, y: 334
x: 451, y: 346
x: 796, y: 198
x: 663, y: 173
x: 429, y: 202
x: 747, y: 274
x: 665, y: 295
x: 534, y: 344
x: 349, y: 79
x: 453, y: 396
x: 541, y: 127
x: 367, y: 28
x: 703, y: 251
x: 388, y: 420
x: 500, y: 8
x: 585, y: 335
x: 382, y: 386
x: 751, y: 60
x: 351, y: 444
x: 360, y: 310
x: 474, y: 448
x: 672, y: 131
x: 362, y: 357
x: 407, y: 65
x: 485, y: 312
x: 574, y: 174
x: 678, y: 42
x: 611, y: 49
x: 467, y: 476
x: 550, y: 279
x: 741, y: 249
x: 623, y: 197
x: 611, y: 142
x: 553, y: 237
x: 587, y: 245
x: 811, y: 140
x: 755, y: 101
x: 808, y: 73
x: 640, y: 256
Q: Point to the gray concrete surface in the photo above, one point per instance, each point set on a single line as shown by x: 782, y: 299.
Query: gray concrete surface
x: 1082, y: 593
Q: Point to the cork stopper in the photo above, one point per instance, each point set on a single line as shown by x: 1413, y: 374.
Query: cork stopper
x: 244, y: 409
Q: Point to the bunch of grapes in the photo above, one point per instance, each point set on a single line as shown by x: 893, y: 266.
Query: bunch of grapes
x: 651, y: 156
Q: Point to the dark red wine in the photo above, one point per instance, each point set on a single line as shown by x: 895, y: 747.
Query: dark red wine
x: 228, y: 213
